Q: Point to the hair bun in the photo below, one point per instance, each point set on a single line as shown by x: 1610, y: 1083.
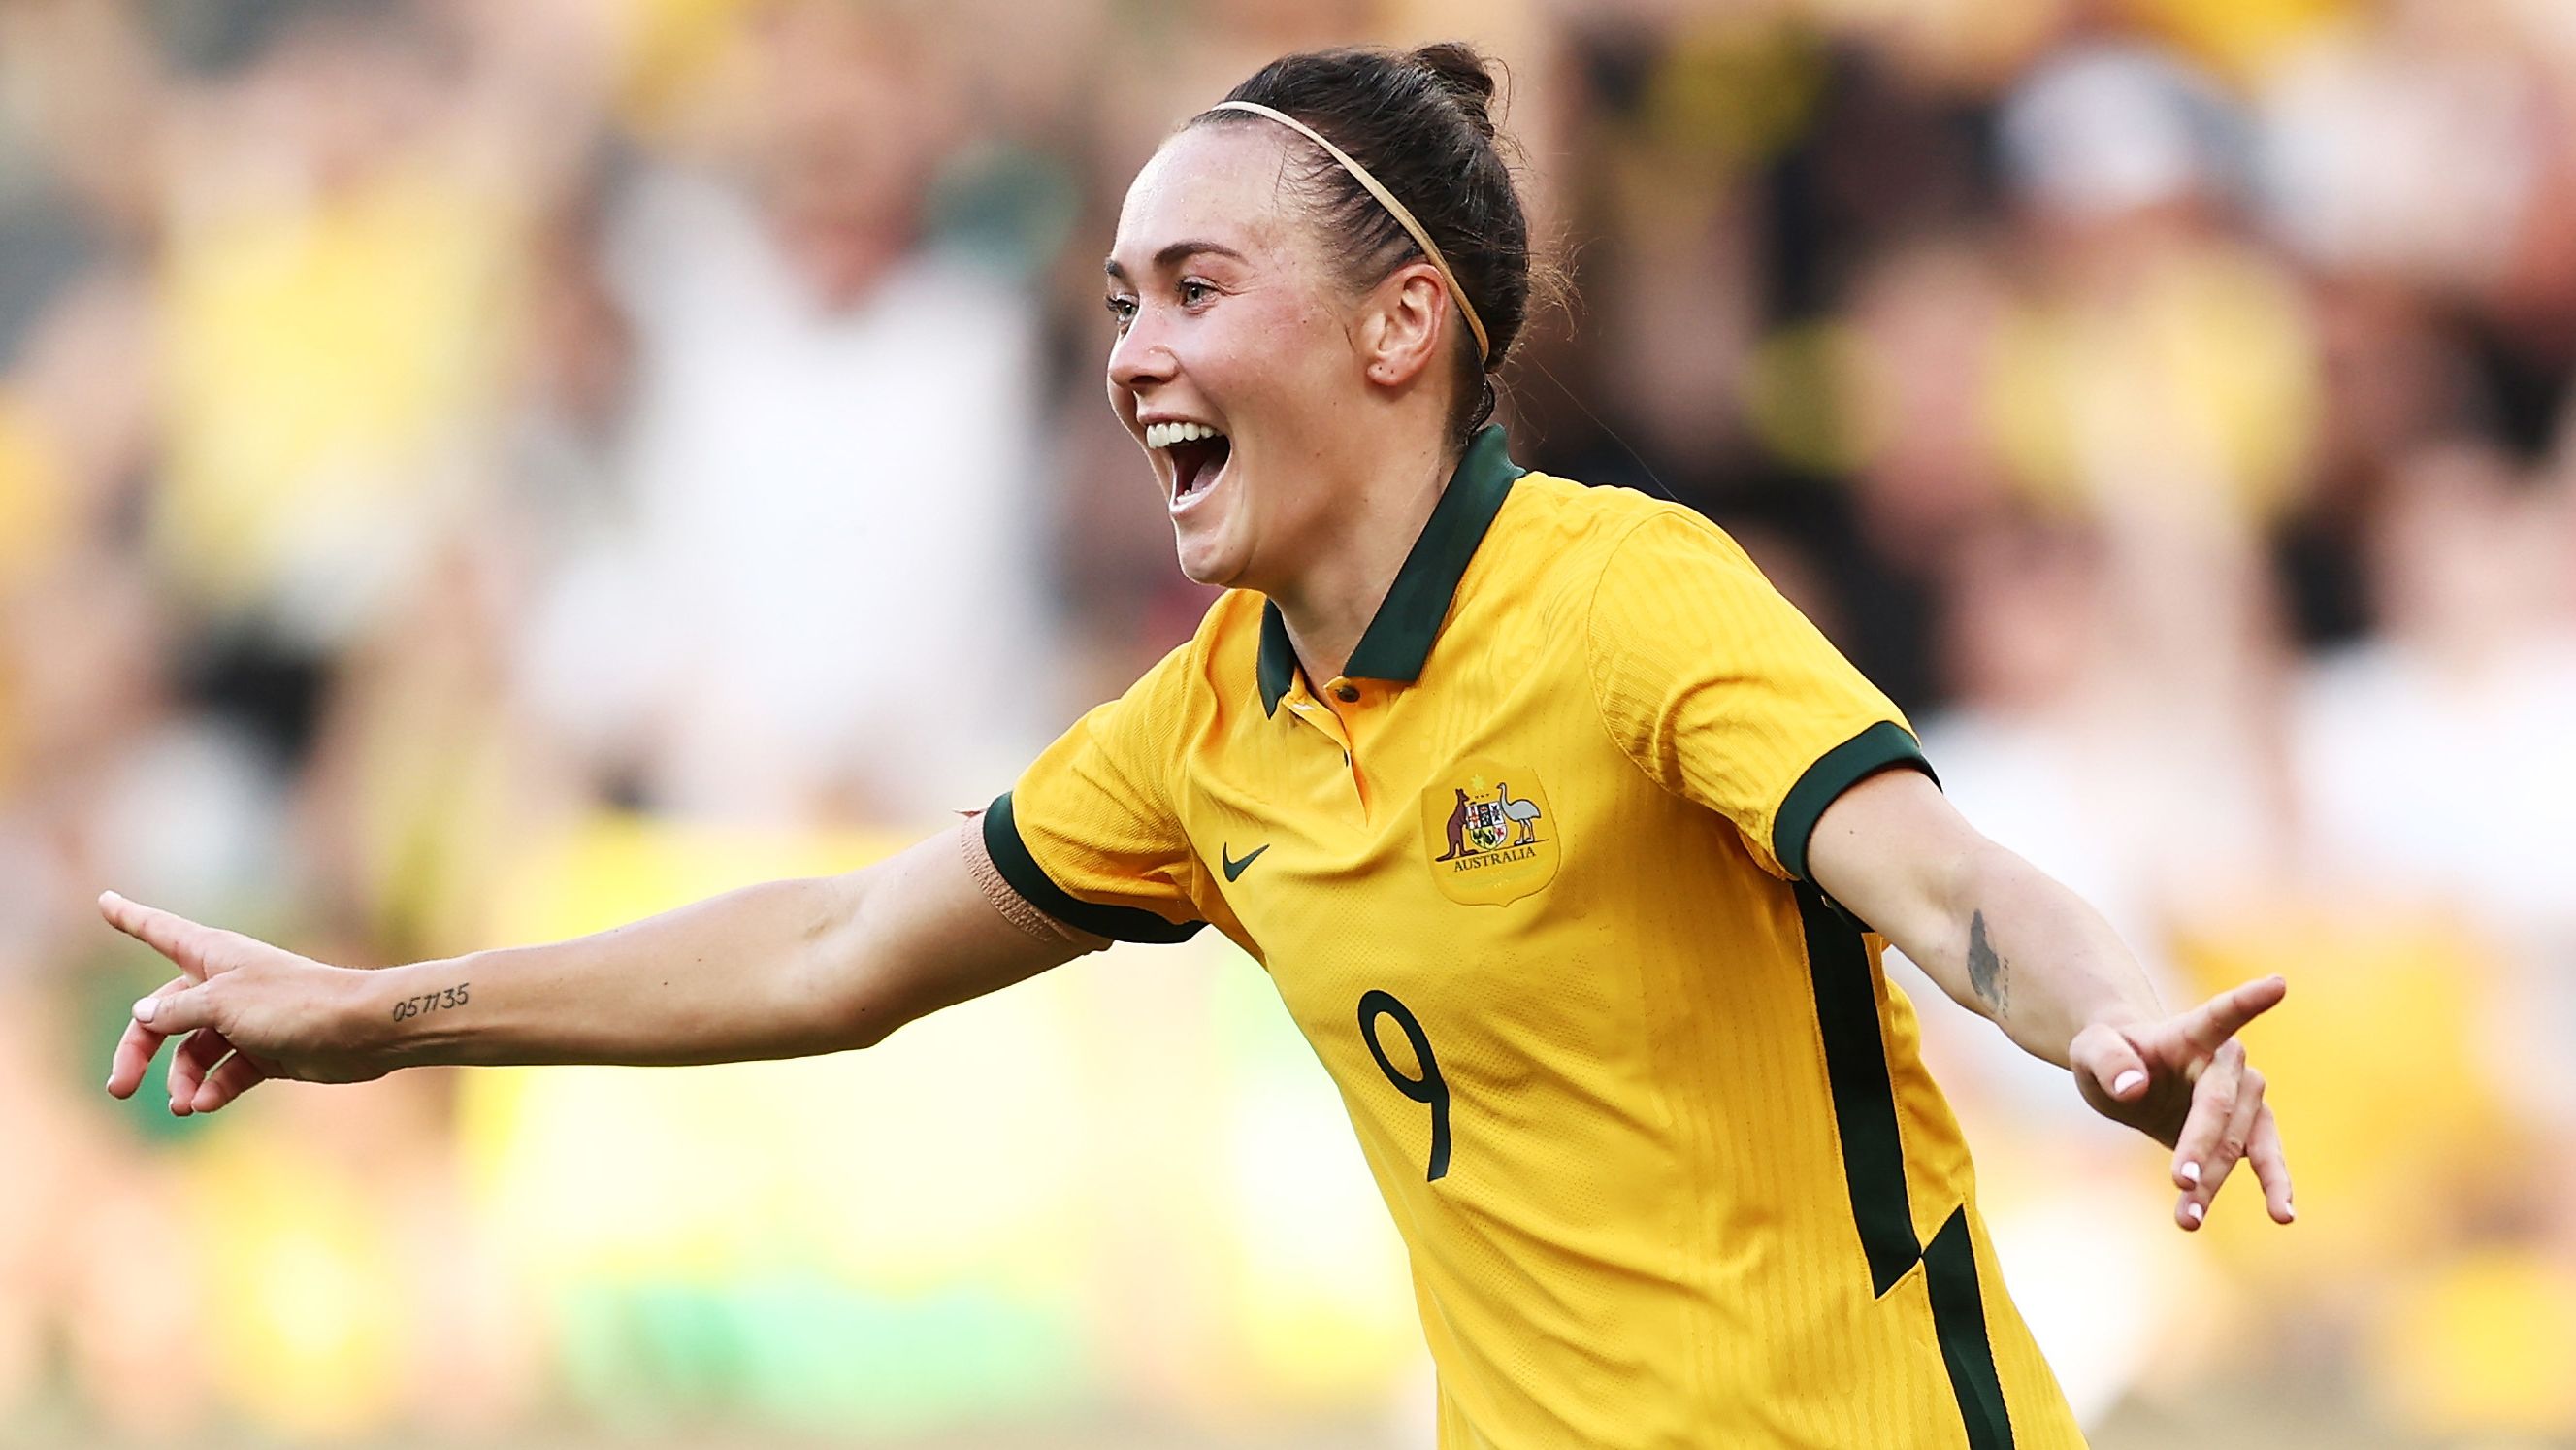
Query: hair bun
x: 1462, y: 71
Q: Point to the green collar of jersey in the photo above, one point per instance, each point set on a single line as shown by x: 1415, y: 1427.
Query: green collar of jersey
x: 1398, y: 638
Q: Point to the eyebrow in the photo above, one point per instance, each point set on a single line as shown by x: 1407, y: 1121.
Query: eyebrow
x: 1175, y: 254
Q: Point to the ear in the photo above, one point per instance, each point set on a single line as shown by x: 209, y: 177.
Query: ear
x: 1403, y: 324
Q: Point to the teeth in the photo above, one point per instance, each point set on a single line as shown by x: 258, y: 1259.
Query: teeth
x: 1164, y: 435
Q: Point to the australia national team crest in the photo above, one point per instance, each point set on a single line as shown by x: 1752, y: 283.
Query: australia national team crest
x: 1489, y: 833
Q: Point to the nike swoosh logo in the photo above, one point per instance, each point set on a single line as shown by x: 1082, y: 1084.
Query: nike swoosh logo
x: 1234, y: 868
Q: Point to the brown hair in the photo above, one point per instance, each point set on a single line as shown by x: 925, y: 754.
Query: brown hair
x: 1422, y: 122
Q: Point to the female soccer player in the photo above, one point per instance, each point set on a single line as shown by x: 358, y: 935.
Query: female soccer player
x: 1556, y: 827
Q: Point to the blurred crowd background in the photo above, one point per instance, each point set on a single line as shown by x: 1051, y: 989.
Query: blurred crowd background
x: 478, y: 470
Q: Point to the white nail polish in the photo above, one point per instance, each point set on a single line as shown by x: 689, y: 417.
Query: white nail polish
x: 2194, y: 1212
x: 2127, y: 1080
x: 2191, y: 1174
x: 144, y: 1008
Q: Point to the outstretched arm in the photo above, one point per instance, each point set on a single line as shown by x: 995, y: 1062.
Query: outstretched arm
x: 2009, y: 943
x: 783, y: 969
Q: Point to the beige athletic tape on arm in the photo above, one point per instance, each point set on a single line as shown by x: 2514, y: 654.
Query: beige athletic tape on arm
x: 1014, y: 907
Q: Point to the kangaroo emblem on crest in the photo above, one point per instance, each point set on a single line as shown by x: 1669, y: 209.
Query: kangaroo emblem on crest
x: 1457, y: 830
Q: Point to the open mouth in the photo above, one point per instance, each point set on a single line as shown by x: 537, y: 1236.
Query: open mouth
x: 1196, y: 465
x: 1198, y: 455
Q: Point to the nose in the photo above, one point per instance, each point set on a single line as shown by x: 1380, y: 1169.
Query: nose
x: 1139, y: 358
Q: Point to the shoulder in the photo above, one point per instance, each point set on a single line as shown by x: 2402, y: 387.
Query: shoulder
x: 1596, y: 539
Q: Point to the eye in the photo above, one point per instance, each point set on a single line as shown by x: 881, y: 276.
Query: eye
x: 1194, y: 291
x: 1122, y: 310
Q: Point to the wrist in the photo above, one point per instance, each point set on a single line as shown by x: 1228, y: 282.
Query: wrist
x: 404, y: 1016
x: 2127, y: 1009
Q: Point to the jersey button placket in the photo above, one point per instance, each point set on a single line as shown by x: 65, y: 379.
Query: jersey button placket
x: 1324, y: 721
x: 1348, y: 692
x: 1315, y: 713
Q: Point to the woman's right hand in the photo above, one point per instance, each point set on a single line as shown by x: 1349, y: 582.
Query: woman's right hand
x: 250, y: 1012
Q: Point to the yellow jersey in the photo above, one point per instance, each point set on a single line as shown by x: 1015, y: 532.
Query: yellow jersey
x: 1531, y: 878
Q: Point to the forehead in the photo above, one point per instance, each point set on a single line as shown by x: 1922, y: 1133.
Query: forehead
x: 1222, y: 183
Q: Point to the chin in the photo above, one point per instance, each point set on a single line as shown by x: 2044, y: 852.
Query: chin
x: 1217, y: 563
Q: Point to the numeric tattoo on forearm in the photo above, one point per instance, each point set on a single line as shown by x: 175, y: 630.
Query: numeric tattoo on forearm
x: 430, y: 1002
x: 1989, y: 975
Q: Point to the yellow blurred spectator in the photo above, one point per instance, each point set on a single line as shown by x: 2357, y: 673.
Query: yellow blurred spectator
x: 336, y: 291
x: 2189, y: 386
x: 2480, y: 1345
x: 311, y: 1336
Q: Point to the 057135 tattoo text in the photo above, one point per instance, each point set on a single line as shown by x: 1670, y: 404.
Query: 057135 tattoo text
x: 430, y: 1002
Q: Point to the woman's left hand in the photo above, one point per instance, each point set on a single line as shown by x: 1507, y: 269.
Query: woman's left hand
x: 2183, y: 1081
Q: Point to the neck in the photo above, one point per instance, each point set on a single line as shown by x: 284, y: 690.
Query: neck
x: 1352, y: 563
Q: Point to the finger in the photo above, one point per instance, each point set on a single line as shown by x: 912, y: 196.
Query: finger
x: 189, y: 1065
x: 136, y: 1049
x: 2225, y: 1015
x: 2233, y: 1142
x: 132, y: 1059
x: 183, y: 941
x: 2108, y: 1058
x: 171, y: 1013
x: 2213, y: 1102
x: 238, y: 1075
x: 2271, y: 1166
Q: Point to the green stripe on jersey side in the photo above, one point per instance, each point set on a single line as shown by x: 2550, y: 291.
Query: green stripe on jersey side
x: 1864, y: 1099
x: 1959, y: 1319
x: 1874, y: 1170
x: 1118, y: 923
x: 1874, y: 749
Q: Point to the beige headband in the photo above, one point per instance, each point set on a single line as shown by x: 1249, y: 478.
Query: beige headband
x: 1396, y: 209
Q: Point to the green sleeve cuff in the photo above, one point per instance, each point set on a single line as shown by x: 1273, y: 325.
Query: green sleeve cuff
x: 1118, y: 923
x: 1880, y: 747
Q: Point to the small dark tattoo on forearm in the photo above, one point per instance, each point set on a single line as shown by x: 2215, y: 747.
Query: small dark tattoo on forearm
x: 1988, y: 974
x: 430, y: 1002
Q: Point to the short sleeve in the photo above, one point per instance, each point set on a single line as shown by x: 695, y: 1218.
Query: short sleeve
x: 1724, y: 694
x: 1089, y: 835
